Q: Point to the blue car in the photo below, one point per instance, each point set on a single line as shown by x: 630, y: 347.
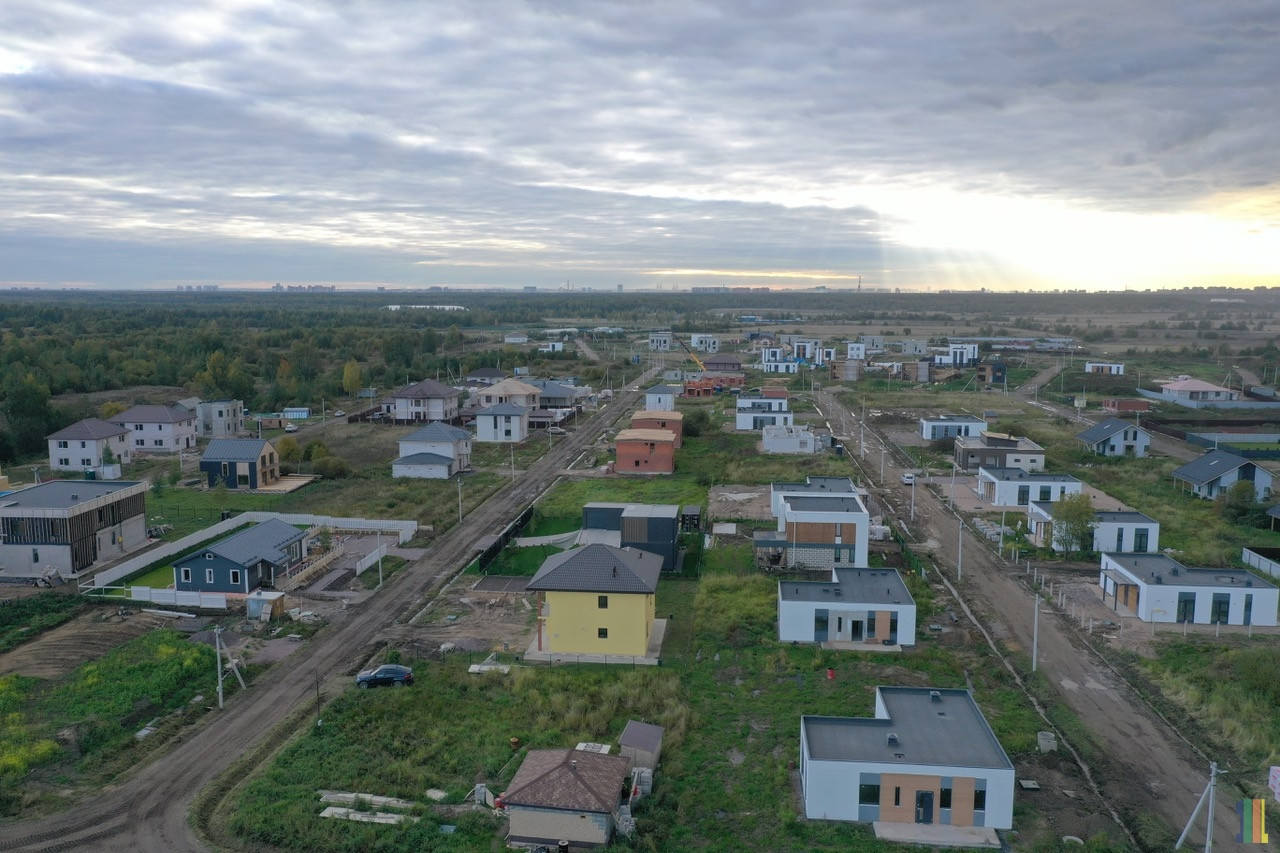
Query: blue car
x: 391, y: 673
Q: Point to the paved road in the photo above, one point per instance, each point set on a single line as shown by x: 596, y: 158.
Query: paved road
x: 1155, y: 764
x: 148, y: 811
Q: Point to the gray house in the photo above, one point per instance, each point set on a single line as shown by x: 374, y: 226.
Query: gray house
x: 1115, y: 437
x: 1217, y: 471
x: 243, y: 561
x: 240, y: 463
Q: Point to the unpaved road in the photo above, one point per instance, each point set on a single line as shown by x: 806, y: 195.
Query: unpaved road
x: 1148, y: 765
x: 148, y: 811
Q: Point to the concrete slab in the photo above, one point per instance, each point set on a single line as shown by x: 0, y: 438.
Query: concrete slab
x: 937, y: 835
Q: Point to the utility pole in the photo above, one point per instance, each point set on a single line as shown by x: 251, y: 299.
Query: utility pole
x: 913, y: 499
x: 512, y: 447
x: 1209, y: 795
x: 217, y: 651
x: 960, y: 554
x: 459, y: 500
x: 1035, y: 632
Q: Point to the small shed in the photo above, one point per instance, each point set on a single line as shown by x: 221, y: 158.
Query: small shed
x: 264, y: 605
x: 642, y: 743
x: 690, y: 519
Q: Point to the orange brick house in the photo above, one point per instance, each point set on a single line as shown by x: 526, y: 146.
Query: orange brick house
x: 673, y: 421
x: 646, y: 451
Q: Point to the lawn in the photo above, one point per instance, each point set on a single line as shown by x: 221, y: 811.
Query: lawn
x: 21, y: 619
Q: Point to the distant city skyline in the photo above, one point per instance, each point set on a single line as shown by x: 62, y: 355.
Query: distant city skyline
x: 1039, y: 145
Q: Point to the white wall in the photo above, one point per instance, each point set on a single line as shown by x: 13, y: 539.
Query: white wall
x: 1006, y: 491
x: 795, y: 620
x: 1159, y: 602
x: 494, y: 427
x: 424, y: 472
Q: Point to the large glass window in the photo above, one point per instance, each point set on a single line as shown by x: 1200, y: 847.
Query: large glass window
x: 868, y: 795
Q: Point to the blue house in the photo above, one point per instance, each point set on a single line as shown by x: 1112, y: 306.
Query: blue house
x: 240, y: 463
x: 243, y: 561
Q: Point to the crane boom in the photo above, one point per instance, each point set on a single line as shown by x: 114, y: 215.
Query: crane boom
x: 696, y: 360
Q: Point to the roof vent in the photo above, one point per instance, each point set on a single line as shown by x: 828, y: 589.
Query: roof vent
x: 1159, y: 579
x: 893, y: 739
x: 935, y: 696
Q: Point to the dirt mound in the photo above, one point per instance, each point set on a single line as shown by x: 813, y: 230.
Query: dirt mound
x: 87, y: 637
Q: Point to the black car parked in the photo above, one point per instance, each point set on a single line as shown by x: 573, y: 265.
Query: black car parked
x: 390, y: 673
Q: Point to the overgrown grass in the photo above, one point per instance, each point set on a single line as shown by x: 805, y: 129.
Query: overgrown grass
x: 390, y: 565
x: 21, y: 619
x: 524, y: 562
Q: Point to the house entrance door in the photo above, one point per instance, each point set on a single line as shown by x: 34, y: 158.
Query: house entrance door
x: 924, y: 806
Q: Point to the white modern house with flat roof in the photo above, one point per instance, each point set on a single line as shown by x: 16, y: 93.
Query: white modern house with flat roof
x: 660, y: 341
x: 1120, y: 530
x: 870, y: 606
x: 1016, y: 487
x: 1106, y: 368
x: 998, y: 450
x: 814, y: 486
x: 817, y: 531
x: 928, y: 756
x: 1116, y: 437
x: 704, y: 343
x: 934, y: 427
x: 759, y: 412
x: 788, y: 439
x: 1157, y: 588
x: 69, y: 525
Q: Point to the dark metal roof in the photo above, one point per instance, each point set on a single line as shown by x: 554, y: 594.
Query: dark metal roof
x: 599, y: 568
x: 824, y: 503
x: 265, y: 541
x: 234, y: 450
x: 1104, y: 430
x: 503, y: 409
x: 948, y: 731
x: 62, y: 494
x: 664, y: 389
x: 90, y: 429
x: 570, y: 779
x: 425, y: 390
x: 438, y: 431
x: 1209, y: 467
x: 423, y: 459
x: 1147, y: 568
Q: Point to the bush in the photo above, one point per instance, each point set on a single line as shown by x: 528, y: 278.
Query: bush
x: 333, y: 468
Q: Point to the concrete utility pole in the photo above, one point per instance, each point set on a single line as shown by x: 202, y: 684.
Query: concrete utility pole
x: 1035, y: 633
x: 459, y: 500
x: 1209, y: 795
x: 217, y: 651
x: 913, y: 499
x: 960, y: 554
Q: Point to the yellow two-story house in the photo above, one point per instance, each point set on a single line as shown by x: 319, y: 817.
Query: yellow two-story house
x: 597, y: 599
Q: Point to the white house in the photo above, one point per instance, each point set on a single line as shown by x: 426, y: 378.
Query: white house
x: 1196, y: 390
x: 807, y: 349
x: 934, y: 427
x: 760, y: 412
x: 871, y: 606
x: 874, y: 343
x: 159, y: 429
x: 1105, y: 368
x: 220, y: 418
x: 515, y: 338
x: 1016, y: 487
x: 504, y: 422
x: 856, y: 351
x: 816, y: 529
x: 80, y: 446
x: 997, y: 450
x: 1157, y: 588
x: 1113, y: 530
x: 660, y: 341
x: 1217, y: 471
x: 1116, y: 437
x: 508, y: 391
x: 427, y: 400
x: 775, y: 360
x: 661, y: 398
x: 705, y: 343
x: 437, y: 451
x: 551, y: 346
x: 788, y: 439
x: 927, y: 756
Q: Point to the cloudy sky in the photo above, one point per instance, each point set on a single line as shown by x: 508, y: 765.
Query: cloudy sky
x: 914, y: 143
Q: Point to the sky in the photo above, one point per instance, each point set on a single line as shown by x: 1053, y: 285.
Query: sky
x: 914, y: 144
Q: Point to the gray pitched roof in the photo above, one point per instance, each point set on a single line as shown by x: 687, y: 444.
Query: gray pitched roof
x: 599, y: 568
x: 234, y: 450
x: 570, y: 779
x: 89, y: 429
x: 425, y: 390
x: 423, y: 459
x: 1103, y: 430
x: 486, y: 373
x: 438, y: 431
x: 503, y: 409
x: 265, y: 541
x: 663, y: 389
x: 1211, y: 466
x: 153, y: 415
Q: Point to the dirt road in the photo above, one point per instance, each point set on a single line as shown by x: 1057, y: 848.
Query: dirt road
x: 148, y: 811
x: 1147, y: 766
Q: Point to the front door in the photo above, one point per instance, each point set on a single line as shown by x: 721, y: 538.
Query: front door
x: 820, y: 626
x: 924, y: 806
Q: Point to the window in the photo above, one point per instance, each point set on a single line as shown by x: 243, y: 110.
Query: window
x: 62, y: 445
x: 88, y: 463
x: 1120, y: 539
x: 1046, y: 493
x: 837, y: 556
x: 159, y: 442
x: 208, y: 555
x: 1140, y: 543
x: 208, y: 575
x: 602, y: 633
x: 980, y: 801
x: 64, y: 461
x: 235, y: 577
x: 140, y: 442
x: 82, y: 445
x: 944, y: 798
x: 137, y: 427
x: 602, y: 602
x: 1024, y: 495
x: 897, y: 795
x: 35, y: 555
x: 869, y: 795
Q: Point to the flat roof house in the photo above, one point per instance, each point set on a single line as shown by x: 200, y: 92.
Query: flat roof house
x: 1016, y: 487
x: 754, y: 413
x: 998, y: 450
x: 1116, y: 437
x: 1158, y: 588
x: 818, y: 532
x: 565, y: 795
x: 159, y: 429
x: 788, y: 439
x: 811, y: 486
x: 240, y: 463
x: 1217, y: 471
x: 853, y: 606
x: 71, y: 525
x: 934, y: 427
x: 661, y: 398
x: 927, y: 756
x: 642, y: 743
x: 220, y: 418
x: 597, y: 599
x: 243, y: 561
x: 648, y: 527
x: 80, y: 446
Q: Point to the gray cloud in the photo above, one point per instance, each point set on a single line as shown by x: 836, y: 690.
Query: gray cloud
x: 505, y: 140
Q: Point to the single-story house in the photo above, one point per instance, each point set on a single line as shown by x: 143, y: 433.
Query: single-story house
x: 1217, y: 471
x: 243, y: 561
x: 927, y: 756
x: 723, y: 363
x: 568, y: 795
x: 71, y: 525
x: 1123, y: 405
x: 853, y: 606
x: 240, y: 463
x: 998, y: 450
x: 934, y: 427
x: 1106, y: 368
x: 1197, y: 390
x: 81, y: 446
x: 487, y: 375
x: 1116, y: 437
x: 597, y: 599
x: 1113, y: 530
x: 788, y: 439
x: 515, y: 338
x: 505, y: 423
x: 1158, y: 588
x: 436, y: 451
x: 1016, y: 487
x: 645, y: 451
